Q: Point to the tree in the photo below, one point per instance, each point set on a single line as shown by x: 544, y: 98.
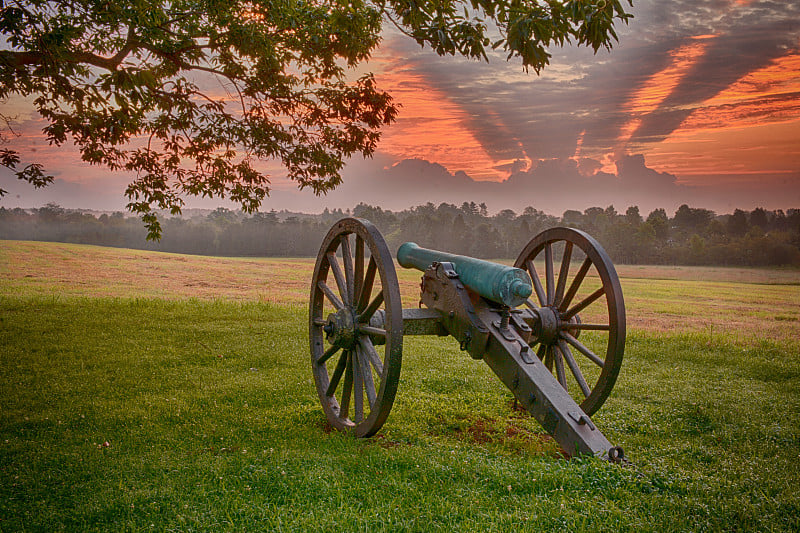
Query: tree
x: 135, y: 83
x: 505, y: 216
x: 697, y: 249
x: 572, y: 218
x: 659, y: 221
x: 692, y: 219
x: 737, y: 223
x: 633, y: 217
x: 758, y: 217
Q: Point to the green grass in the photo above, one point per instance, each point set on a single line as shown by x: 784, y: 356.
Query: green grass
x: 212, y: 423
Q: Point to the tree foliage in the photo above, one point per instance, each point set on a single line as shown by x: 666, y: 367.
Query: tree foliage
x: 189, y: 95
x: 466, y: 229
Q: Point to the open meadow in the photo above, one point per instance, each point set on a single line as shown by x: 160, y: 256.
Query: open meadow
x: 152, y: 391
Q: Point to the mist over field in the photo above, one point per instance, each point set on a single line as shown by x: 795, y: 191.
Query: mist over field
x: 551, y: 186
x: 692, y: 236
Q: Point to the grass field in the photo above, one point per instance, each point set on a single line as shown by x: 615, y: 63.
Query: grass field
x: 147, y: 391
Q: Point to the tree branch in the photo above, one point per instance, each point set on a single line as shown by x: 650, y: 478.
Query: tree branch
x: 18, y: 60
x: 130, y: 45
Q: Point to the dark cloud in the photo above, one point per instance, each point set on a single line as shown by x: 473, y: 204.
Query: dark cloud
x: 552, y: 185
x: 562, y: 183
x: 585, y: 95
x: 746, y: 46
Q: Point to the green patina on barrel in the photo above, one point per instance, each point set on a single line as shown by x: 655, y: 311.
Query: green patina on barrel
x: 499, y: 283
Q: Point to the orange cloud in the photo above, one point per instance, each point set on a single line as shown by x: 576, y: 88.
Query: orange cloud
x: 770, y: 149
x: 431, y: 127
x: 752, y: 127
x: 769, y: 94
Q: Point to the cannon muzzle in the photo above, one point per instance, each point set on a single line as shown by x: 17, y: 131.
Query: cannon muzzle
x: 499, y: 283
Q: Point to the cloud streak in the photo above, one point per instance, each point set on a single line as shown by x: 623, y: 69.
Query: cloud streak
x: 666, y: 76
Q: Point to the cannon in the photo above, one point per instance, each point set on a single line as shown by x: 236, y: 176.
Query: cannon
x: 555, y: 341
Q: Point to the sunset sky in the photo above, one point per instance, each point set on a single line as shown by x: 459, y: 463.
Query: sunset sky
x: 699, y: 103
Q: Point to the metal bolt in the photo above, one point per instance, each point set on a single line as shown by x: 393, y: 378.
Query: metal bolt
x: 504, y: 317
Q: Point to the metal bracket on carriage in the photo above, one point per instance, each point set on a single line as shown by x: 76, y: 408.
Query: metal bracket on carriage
x: 443, y: 292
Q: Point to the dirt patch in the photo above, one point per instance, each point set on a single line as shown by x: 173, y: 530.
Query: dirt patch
x: 381, y: 440
x: 507, y: 435
x: 481, y: 431
x: 326, y: 427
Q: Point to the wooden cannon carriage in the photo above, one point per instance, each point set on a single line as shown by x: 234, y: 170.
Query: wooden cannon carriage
x: 556, y: 342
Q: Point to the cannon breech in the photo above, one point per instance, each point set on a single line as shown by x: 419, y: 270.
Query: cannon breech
x: 499, y: 283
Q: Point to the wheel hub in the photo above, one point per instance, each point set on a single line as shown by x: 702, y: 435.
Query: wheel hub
x: 548, y: 325
x: 340, y: 330
x: 549, y: 322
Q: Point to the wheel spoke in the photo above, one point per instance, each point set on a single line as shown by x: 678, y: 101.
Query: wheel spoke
x: 349, y: 272
x: 358, y: 388
x: 562, y: 376
x: 366, y: 289
x: 548, y: 359
x: 337, y: 303
x: 337, y: 374
x: 359, y: 273
x: 583, y: 349
x: 575, y: 285
x: 319, y: 321
x: 327, y: 355
x: 548, y: 272
x: 537, y: 284
x: 366, y: 376
x: 369, y: 330
x: 586, y: 302
x: 338, y: 275
x: 541, y: 352
x: 344, y: 409
x: 371, y: 308
x: 573, y: 365
x: 563, y: 273
x: 594, y: 327
x: 369, y: 349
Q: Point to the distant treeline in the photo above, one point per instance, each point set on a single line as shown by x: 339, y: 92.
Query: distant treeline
x: 691, y: 236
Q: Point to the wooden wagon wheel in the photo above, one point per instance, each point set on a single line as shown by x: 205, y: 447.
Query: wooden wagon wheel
x: 594, y: 292
x: 355, y: 327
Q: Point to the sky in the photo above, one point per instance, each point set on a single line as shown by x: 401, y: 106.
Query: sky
x: 698, y: 103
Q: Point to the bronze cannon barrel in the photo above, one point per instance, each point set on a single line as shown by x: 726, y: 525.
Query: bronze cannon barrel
x: 499, y: 283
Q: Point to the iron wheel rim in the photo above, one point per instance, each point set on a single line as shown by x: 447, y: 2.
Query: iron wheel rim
x: 352, y: 367
x: 556, y: 293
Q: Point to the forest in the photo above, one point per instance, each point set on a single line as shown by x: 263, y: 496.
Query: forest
x: 691, y: 236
